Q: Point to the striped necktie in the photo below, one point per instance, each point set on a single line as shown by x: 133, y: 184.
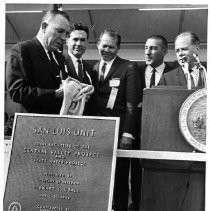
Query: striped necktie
x: 101, y: 78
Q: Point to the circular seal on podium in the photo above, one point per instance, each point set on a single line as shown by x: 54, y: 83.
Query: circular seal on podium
x: 14, y: 206
x: 192, y: 119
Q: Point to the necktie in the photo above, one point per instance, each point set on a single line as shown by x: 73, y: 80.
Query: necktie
x: 101, y: 79
x: 201, y: 79
x: 192, y: 79
x: 152, y: 80
x: 80, y: 71
x: 55, y: 66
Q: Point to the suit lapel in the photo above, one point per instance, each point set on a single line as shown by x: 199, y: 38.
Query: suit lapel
x: 43, y: 57
x: 87, y: 78
x: 113, y: 68
x: 181, y: 77
x: 95, y: 75
x: 70, y: 66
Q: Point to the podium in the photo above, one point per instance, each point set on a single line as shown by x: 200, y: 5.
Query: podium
x: 168, y: 185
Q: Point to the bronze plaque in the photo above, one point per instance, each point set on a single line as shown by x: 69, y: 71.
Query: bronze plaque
x: 192, y: 119
x: 61, y: 163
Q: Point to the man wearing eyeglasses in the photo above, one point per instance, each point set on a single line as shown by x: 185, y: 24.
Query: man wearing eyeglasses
x: 36, y: 67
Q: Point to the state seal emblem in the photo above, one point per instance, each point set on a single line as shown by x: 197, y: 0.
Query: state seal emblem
x: 192, y: 119
x: 14, y: 206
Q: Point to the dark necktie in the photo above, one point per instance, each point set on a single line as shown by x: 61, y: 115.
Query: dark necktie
x: 101, y: 79
x: 80, y: 71
x: 152, y: 80
x: 192, y: 79
x: 55, y: 66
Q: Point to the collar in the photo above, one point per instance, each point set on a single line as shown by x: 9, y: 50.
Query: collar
x: 195, y: 70
x: 42, y: 43
x: 74, y: 59
x: 109, y: 63
x: 159, y: 69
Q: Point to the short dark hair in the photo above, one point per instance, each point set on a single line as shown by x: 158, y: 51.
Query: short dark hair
x: 194, y: 38
x: 161, y: 38
x: 80, y: 27
x: 113, y: 34
x: 53, y: 13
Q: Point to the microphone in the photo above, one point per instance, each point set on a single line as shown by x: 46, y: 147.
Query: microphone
x: 201, y: 68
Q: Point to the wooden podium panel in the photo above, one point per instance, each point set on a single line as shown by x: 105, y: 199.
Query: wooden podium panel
x: 160, y: 126
x: 173, y: 190
x: 168, y: 185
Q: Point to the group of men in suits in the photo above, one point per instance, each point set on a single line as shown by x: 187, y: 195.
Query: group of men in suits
x: 37, y: 68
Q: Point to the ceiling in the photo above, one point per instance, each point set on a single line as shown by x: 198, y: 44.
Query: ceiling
x: 134, y: 22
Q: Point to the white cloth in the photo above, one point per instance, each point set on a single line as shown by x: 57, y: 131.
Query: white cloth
x: 74, y: 105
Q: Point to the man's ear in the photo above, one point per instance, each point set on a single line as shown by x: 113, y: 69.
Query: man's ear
x: 44, y: 25
x: 165, y: 51
x: 98, y: 44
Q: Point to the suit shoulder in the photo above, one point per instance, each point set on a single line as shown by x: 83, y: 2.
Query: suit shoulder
x: 171, y: 72
x: 170, y: 66
x: 22, y: 44
x: 25, y: 46
x: 129, y: 63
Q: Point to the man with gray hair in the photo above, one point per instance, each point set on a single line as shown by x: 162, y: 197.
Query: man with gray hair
x: 35, y: 69
x: 191, y: 73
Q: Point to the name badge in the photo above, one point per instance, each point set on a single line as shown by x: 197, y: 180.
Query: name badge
x: 112, y: 98
x: 115, y: 82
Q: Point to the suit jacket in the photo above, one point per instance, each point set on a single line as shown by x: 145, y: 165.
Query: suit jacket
x: 177, y: 78
x: 30, y: 78
x: 142, y: 70
x: 174, y: 78
x: 72, y: 72
x: 128, y: 97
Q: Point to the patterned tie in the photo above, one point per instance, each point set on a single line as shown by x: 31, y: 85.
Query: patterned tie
x: 152, y: 80
x: 54, y: 65
x: 80, y: 71
x: 101, y: 78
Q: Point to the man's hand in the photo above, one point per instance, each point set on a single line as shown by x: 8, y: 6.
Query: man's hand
x: 126, y: 143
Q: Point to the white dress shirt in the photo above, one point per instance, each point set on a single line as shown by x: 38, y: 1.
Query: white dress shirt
x: 158, y: 74
x: 74, y: 61
x: 108, y: 66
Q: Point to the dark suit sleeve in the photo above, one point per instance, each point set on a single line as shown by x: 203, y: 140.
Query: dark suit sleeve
x: 133, y: 95
x: 20, y: 83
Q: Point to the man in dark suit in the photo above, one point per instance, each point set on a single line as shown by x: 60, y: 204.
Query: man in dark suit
x: 35, y: 68
x: 77, y: 45
x: 190, y: 73
x: 156, y: 47
x: 118, y: 94
x: 77, y: 67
